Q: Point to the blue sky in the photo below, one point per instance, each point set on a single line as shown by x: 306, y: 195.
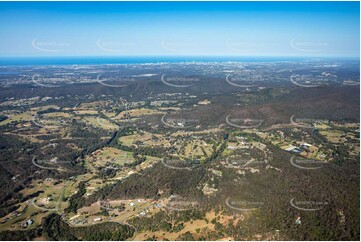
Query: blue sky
x: 179, y: 28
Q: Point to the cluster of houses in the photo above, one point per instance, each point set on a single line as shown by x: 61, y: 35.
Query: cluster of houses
x: 78, y: 221
x: 27, y: 223
x: 106, y: 204
x: 302, y: 148
x: 97, y: 220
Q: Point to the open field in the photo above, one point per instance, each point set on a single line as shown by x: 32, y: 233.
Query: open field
x: 26, y: 116
x: 136, y: 113
x: 100, y: 123
x: 111, y: 155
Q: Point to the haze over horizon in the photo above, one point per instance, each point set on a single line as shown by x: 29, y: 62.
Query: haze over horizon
x: 320, y: 29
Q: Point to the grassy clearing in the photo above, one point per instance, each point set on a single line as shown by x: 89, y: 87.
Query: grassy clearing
x: 25, y: 212
x: 192, y: 226
x: 111, y: 155
x: 93, y: 105
x: 42, y: 108
x: 146, y: 139
x: 100, y: 123
x: 26, y: 116
x: 86, y: 112
x: 334, y: 136
x: 182, y: 133
x: 57, y: 114
x: 136, y: 113
x: 89, y: 213
x: 194, y: 150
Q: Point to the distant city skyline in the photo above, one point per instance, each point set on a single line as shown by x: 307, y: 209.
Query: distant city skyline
x: 319, y: 29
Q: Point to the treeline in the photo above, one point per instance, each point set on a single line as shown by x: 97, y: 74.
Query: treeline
x: 155, y: 179
x: 77, y: 200
x: 56, y: 229
x: 49, y: 110
x: 15, y: 170
x: 3, y: 117
x: 174, y: 222
x: 20, y: 235
x: 159, y: 177
x: 170, y: 222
